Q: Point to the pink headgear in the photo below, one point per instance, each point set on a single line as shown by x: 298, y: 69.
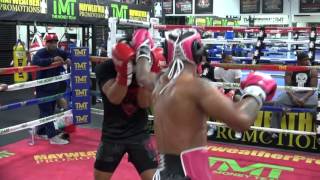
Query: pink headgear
x: 184, y: 44
x: 139, y: 36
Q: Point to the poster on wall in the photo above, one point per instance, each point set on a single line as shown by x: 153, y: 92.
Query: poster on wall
x: 203, y: 7
x: 272, y: 6
x: 158, y: 9
x: 249, y: 6
x: 309, y: 6
x: 183, y: 7
x: 146, y: 2
x: 168, y: 6
x: 129, y: 1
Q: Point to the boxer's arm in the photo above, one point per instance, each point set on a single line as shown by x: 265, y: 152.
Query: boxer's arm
x: 106, y: 76
x: 144, y: 76
x: 144, y: 98
x: 238, y: 116
x: 113, y: 91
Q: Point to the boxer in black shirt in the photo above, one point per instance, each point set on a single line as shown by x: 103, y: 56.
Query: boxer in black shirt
x: 124, y: 127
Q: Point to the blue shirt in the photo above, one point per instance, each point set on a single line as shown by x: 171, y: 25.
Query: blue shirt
x: 45, y: 58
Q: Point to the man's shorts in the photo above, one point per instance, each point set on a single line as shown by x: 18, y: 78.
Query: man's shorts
x: 142, y: 155
x: 170, y: 168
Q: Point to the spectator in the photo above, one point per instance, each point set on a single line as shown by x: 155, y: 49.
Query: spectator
x: 228, y: 76
x: 207, y: 71
x: 45, y: 57
x: 308, y: 99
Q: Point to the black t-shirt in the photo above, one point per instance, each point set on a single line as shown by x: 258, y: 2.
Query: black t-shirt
x: 207, y: 72
x: 301, y: 78
x: 126, y: 122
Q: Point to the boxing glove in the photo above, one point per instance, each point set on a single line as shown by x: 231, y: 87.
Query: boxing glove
x: 144, y: 51
x: 141, y: 36
x: 260, y: 86
x: 122, y: 57
x: 230, y: 94
x: 158, y: 60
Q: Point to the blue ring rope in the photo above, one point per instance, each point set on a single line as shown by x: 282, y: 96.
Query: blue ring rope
x: 34, y: 101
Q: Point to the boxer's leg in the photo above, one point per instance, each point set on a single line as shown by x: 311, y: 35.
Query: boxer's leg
x: 143, y: 156
x: 108, y: 158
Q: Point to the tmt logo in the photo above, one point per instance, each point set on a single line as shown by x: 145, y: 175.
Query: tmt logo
x: 231, y: 166
x: 64, y: 9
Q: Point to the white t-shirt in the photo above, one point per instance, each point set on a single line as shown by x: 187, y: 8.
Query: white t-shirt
x: 227, y: 75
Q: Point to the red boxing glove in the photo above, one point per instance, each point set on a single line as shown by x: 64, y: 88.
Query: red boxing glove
x: 260, y: 86
x: 122, y: 56
x: 140, y: 36
x: 230, y: 94
x: 158, y: 60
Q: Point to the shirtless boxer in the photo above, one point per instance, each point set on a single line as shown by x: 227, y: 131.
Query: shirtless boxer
x: 183, y: 101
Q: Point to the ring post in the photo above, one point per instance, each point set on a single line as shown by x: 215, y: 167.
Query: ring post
x: 80, y: 85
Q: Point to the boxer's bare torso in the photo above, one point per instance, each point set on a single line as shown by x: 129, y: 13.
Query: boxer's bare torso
x: 179, y: 123
x: 182, y: 106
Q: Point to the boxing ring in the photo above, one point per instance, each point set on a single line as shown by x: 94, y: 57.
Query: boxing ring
x: 227, y: 161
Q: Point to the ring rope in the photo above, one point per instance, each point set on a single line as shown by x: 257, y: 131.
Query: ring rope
x: 12, y: 70
x: 274, y: 130
x: 35, y: 101
x: 288, y: 109
x: 237, y: 29
x: 286, y: 88
x: 265, y: 67
x: 253, y: 41
x: 34, y: 123
x: 33, y: 68
x: 38, y: 82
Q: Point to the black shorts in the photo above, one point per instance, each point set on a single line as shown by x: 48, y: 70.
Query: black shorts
x: 142, y: 155
x: 170, y: 168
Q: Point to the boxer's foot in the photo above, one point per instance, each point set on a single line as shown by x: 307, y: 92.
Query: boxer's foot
x: 58, y: 140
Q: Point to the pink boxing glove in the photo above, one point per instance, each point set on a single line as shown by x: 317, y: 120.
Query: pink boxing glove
x: 122, y: 57
x: 260, y: 86
x: 141, y: 36
x: 230, y: 94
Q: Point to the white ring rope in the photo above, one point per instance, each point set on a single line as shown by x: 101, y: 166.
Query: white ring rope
x: 254, y: 41
x: 39, y: 82
x: 286, y: 88
x: 237, y: 86
x: 134, y: 23
x: 274, y: 130
x: 34, y: 123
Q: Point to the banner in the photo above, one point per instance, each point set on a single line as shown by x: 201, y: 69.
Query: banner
x: 211, y: 21
x: 128, y: 11
x: 168, y: 6
x: 80, y: 83
x: 183, y: 7
x: 271, y: 6
x: 291, y: 121
x: 203, y: 7
x: 309, y: 6
x: 249, y: 6
x: 71, y: 11
x: 60, y: 11
x: 260, y: 20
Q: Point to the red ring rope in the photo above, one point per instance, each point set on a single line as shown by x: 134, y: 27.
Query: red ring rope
x: 237, y: 29
x: 12, y: 70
